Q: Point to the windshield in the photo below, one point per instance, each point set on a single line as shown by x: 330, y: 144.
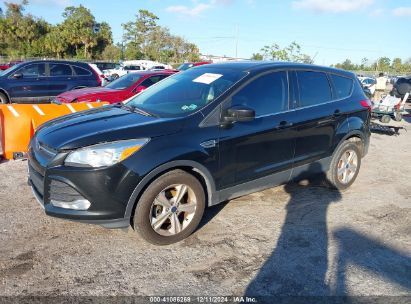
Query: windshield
x: 185, y: 66
x: 186, y: 92
x: 124, y: 82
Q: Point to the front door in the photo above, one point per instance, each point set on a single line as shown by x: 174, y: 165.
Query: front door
x: 264, y: 146
x: 30, y: 85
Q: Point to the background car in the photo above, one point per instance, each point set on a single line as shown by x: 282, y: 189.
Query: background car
x: 368, y: 83
x: 5, y: 66
x: 105, y: 65
x: 402, y: 86
x: 188, y: 65
x: 101, y: 75
x: 119, y: 71
x: 118, y: 90
x: 40, y: 81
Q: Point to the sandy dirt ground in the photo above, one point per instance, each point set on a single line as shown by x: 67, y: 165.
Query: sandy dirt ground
x: 289, y: 240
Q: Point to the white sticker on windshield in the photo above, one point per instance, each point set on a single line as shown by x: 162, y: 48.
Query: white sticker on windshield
x: 207, y: 78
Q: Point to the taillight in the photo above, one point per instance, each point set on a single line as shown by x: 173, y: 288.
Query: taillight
x: 102, y: 76
x: 366, y: 103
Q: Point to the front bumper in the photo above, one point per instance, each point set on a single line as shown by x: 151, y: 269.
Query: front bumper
x: 108, y: 190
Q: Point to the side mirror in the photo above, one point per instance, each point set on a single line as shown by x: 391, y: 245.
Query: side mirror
x: 239, y: 114
x: 17, y: 75
x: 140, y: 89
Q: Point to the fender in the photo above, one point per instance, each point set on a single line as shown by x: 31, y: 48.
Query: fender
x: 211, y: 190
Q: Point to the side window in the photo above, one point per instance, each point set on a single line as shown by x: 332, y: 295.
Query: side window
x: 343, y: 85
x: 267, y: 94
x: 314, y: 88
x: 58, y: 69
x: 80, y: 71
x: 33, y: 70
x: 152, y: 80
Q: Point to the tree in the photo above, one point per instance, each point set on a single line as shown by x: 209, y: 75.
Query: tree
x: 111, y: 52
x: 78, y: 28
x: 138, y: 31
x: 257, y: 56
x: 383, y: 64
x: 55, y: 42
x: 290, y: 53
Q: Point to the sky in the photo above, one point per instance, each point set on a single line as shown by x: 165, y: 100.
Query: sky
x: 329, y: 30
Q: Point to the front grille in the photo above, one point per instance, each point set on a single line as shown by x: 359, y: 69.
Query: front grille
x: 62, y: 192
x: 37, y: 180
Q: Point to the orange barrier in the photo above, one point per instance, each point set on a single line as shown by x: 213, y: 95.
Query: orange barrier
x: 18, y: 122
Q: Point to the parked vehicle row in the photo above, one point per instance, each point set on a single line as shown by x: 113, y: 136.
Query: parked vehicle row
x: 196, y: 139
x: 40, y: 81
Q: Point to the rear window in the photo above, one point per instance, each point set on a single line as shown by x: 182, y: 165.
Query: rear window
x: 81, y: 71
x: 314, y: 88
x: 343, y: 85
x: 58, y: 69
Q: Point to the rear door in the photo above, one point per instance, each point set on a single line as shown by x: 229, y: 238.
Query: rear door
x: 60, y: 78
x: 318, y: 113
x: 32, y: 86
x: 264, y: 146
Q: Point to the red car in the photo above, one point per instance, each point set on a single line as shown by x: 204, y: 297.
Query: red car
x: 5, y: 66
x: 116, y: 91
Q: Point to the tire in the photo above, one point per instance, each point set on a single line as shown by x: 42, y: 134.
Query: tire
x: 385, y: 119
x: 404, y: 88
x: 3, y: 99
x: 115, y: 76
x: 334, y: 177
x: 156, y: 204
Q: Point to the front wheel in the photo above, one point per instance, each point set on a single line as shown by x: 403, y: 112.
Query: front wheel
x: 345, y: 165
x: 170, y: 209
x: 3, y: 99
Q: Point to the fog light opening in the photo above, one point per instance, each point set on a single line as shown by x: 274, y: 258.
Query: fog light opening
x: 81, y: 204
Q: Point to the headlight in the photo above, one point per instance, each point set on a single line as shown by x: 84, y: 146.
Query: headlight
x: 104, y: 155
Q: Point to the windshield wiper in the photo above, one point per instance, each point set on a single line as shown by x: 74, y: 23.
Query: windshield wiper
x: 138, y: 110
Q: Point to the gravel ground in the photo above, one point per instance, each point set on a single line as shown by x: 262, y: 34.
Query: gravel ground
x: 289, y: 240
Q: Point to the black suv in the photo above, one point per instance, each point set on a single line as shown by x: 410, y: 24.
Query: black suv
x: 198, y: 138
x: 40, y: 81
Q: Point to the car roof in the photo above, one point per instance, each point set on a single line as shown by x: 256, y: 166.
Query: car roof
x: 57, y: 61
x: 257, y: 66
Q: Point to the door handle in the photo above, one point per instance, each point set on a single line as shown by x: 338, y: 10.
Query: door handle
x: 284, y: 124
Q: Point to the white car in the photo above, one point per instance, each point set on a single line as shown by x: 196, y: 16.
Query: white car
x: 369, y: 83
x: 122, y: 70
x: 100, y: 74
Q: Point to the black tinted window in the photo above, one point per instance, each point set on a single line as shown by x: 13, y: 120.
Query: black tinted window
x: 80, y: 71
x: 314, y: 88
x: 57, y: 69
x: 33, y: 70
x: 266, y: 95
x: 343, y: 85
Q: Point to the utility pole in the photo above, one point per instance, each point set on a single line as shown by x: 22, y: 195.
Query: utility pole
x: 236, y: 42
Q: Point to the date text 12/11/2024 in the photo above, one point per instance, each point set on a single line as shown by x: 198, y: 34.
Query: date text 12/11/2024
x: 203, y: 299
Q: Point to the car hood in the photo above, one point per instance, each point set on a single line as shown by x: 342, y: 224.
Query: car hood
x: 86, y: 92
x: 104, y: 124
